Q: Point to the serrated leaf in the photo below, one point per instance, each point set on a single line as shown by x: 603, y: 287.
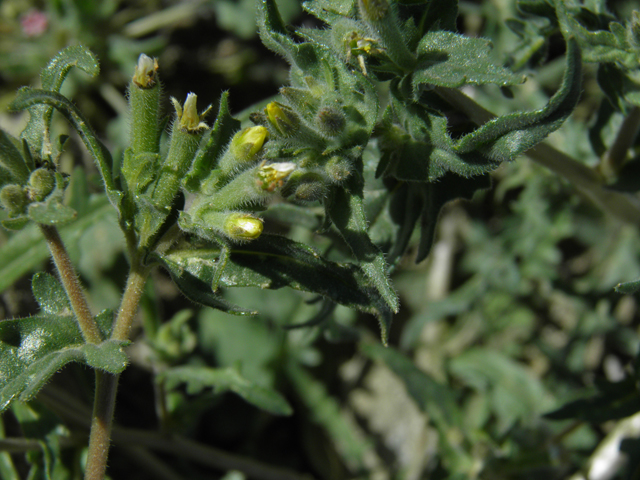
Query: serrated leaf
x: 33, y: 349
x: 218, y: 138
x: 274, y: 262
x: 50, y: 294
x: 28, y: 97
x: 26, y: 250
x: 52, y: 78
x: 628, y: 288
x: 11, y: 162
x: 220, y: 380
x: 448, y: 59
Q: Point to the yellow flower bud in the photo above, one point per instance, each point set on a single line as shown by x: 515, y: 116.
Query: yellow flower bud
x: 282, y: 118
x: 243, y: 226
x: 248, y: 142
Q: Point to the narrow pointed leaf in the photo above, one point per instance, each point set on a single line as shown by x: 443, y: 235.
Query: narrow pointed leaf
x: 220, y: 380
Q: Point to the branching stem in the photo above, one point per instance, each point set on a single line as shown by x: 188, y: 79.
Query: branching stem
x: 616, y: 155
x: 71, y: 284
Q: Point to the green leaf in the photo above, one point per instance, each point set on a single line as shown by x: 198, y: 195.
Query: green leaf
x: 13, y: 168
x: 50, y: 294
x: 628, y: 288
x: 614, y: 401
x: 220, y: 380
x: 346, y: 210
x: 273, y: 262
x: 52, y: 211
x: 28, y: 97
x: 33, y: 349
x: 448, y: 59
x: 26, y: 250
x: 52, y: 77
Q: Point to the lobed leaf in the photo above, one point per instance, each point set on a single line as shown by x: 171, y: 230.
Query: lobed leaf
x: 448, y: 59
x: 220, y: 380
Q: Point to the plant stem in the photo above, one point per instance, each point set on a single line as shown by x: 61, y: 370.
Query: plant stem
x: 71, y: 284
x: 614, y: 158
x: 106, y: 383
x: 585, y: 180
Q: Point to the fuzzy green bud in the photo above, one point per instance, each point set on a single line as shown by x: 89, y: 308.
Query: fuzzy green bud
x: 13, y: 199
x: 240, y: 227
x: 331, y: 121
x: 338, y: 169
x: 41, y: 183
x: 145, y: 93
x: 374, y: 10
x: 186, y: 134
x: 246, y: 144
x: 282, y: 118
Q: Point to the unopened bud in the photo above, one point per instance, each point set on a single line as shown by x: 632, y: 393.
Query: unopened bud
x: 188, y: 118
x: 247, y: 143
x: 13, y: 199
x: 145, y: 75
x: 374, y: 10
x: 41, y: 183
x: 273, y: 175
x: 239, y: 226
x: 338, y: 169
x: 331, y: 121
x: 282, y: 118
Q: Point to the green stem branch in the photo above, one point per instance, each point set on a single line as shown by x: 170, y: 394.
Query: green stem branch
x: 616, y: 155
x: 71, y: 284
x: 107, y: 384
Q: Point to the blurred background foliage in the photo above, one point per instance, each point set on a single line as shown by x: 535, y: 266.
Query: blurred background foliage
x: 513, y: 315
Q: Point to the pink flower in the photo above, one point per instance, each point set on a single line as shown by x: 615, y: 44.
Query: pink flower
x: 34, y: 23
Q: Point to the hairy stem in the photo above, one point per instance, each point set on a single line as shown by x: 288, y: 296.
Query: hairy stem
x: 617, y: 154
x: 107, y: 384
x: 71, y: 284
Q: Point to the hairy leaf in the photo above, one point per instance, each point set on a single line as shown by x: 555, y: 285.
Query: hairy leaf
x: 13, y: 168
x: 50, y: 294
x: 274, y: 262
x: 28, y: 97
x: 52, y: 77
x: 33, y: 349
x: 220, y: 380
x: 449, y: 59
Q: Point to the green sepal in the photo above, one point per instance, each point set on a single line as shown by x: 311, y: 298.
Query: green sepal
x: 220, y: 380
x: 273, y: 262
x: 213, y: 146
x: 52, y: 77
x: 52, y: 211
x: 33, y: 349
x: 346, y: 210
x: 13, y: 168
x: 448, y: 59
x: 28, y: 97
